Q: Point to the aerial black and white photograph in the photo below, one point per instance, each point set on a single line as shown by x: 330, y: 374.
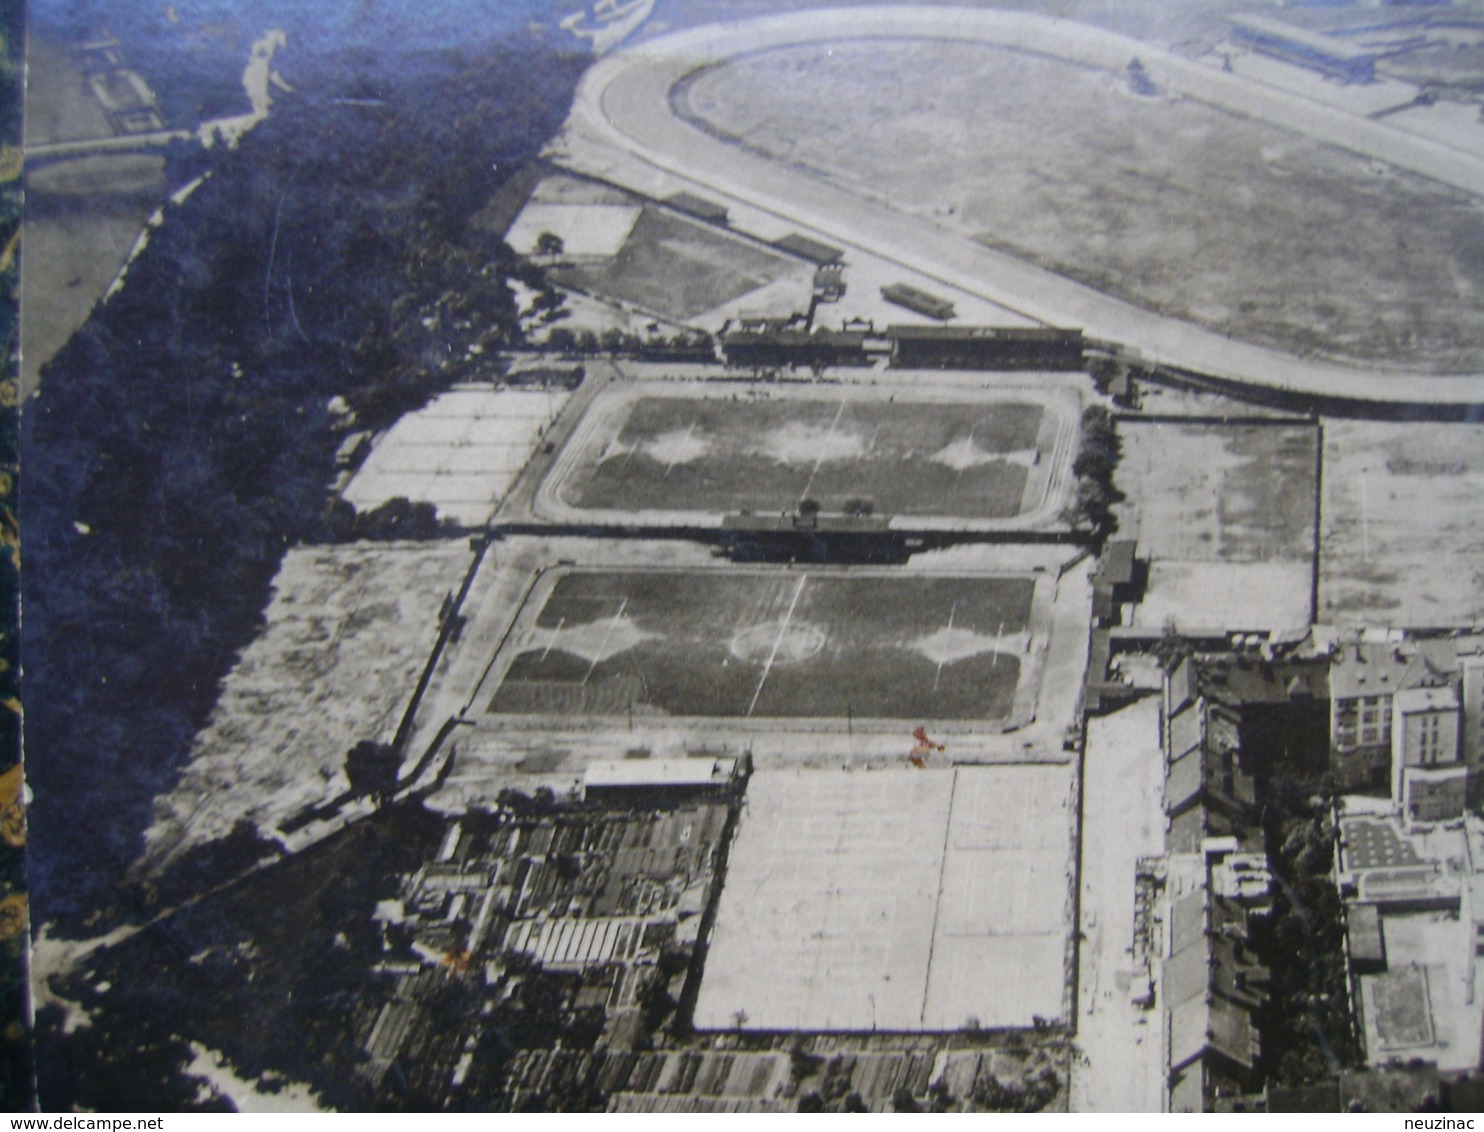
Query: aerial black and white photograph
x: 742, y: 556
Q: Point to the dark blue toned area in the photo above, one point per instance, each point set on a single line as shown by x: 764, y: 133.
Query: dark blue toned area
x: 17, y: 1080
x: 194, y: 59
x: 181, y: 440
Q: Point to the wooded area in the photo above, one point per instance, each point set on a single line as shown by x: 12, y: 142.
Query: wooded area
x: 183, y: 439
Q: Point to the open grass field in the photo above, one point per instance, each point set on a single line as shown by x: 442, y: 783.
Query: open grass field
x: 768, y: 643
x: 708, y: 455
x: 1235, y: 224
x: 1402, y: 524
x: 678, y: 268
x: 846, y: 907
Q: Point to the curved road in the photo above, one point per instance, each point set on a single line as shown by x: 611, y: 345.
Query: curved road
x: 623, y: 103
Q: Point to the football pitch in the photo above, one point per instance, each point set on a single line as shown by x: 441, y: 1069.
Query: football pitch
x: 694, y: 457
x: 777, y: 643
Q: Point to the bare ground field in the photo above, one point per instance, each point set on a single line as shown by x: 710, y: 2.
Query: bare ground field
x: 1172, y: 204
x: 1218, y: 493
x: 348, y: 630
x: 1225, y: 514
x: 1402, y: 524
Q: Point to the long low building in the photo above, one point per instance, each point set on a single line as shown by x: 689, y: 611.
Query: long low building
x: 795, y: 347
x: 1327, y: 54
x: 985, y: 347
x: 620, y: 778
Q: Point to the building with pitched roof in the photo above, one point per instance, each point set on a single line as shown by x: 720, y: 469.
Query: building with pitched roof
x: 1211, y: 984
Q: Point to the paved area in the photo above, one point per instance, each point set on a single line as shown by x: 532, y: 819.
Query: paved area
x: 894, y: 900
x: 1122, y: 820
x: 460, y: 453
x: 622, y: 128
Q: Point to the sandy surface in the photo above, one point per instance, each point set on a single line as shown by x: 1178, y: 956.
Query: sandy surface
x: 348, y: 632
x: 1123, y: 819
x: 1402, y: 523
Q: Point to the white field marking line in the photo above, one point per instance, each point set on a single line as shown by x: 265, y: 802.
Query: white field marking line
x: 604, y: 645
x: 939, y: 673
x: 670, y: 464
x: 968, y: 451
x: 1365, y: 523
x: 927, y: 981
x: 823, y: 448
x: 994, y: 657
x: 553, y: 640
x: 777, y: 643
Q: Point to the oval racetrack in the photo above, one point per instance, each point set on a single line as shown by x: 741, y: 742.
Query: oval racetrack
x: 624, y: 103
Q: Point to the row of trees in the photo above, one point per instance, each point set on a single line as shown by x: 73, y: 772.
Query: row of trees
x: 1094, y: 465
x: 1307, y: 1026
x: 568, y: 341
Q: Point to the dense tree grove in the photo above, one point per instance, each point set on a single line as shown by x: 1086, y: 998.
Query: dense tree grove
x: 15, y: 1045
x: 1096, y: 459
x: 273, y: 973
x: 183, y: 441
x: 1307, y: 1026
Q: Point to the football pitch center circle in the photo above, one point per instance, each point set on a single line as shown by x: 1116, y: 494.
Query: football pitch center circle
x: 777, y: 642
